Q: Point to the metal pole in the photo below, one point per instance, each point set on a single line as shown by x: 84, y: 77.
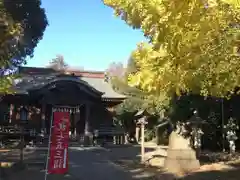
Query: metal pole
x: 49, y: 143
x: 223, y: 136
x: 142, y: 142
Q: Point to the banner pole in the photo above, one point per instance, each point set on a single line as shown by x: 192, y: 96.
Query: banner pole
x: 49, y: 142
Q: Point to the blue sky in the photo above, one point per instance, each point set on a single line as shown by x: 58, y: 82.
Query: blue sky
x: 86, y: 33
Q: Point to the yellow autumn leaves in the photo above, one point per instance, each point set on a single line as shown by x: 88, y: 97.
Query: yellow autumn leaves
x: 191, y: 45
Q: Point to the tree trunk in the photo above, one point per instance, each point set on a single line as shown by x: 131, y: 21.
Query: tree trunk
x: 181, y: 158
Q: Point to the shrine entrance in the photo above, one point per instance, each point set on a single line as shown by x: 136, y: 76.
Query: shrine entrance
x: 64, y: 92
x: 71, y: 95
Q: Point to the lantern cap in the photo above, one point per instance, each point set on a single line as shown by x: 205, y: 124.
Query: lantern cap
x: 141, y: 113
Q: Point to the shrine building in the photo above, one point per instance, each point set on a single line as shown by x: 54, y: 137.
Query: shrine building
x: 38, y: 90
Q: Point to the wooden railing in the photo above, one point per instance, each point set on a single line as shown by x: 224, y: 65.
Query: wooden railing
x: 110, y: 135
x: 14, y: 133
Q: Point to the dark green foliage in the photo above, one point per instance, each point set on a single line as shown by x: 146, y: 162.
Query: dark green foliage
x: 151, y: 127
x: 127, y: 120
x: 210, y: 109
x: 33, y: 22
x: 22, y: 24
x: 136, y: 100
x: 179, y: 109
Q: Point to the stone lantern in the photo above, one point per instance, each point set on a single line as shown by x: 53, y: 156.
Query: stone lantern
x: 138, y: 116
x: 141, y: 122
x: 196, y: 133
x: 230, y: 130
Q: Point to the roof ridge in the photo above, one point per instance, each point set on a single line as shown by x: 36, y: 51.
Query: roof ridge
x: 71, y: 70
x: 40, y: 70
x: 87, y: 71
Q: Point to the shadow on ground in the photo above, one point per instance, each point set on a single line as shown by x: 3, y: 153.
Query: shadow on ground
x: 125, y: 160
x: 129, y: 158
x: 130, y: 152
x: 146, y: 172
x: 152, y: 173
x: 36, y: 174
x: 228, y: 174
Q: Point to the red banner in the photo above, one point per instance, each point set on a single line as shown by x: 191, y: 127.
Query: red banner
x: 58, y: 162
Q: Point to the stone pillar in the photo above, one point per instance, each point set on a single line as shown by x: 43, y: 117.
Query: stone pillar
x: 137, y: 133
x: 86, y: 126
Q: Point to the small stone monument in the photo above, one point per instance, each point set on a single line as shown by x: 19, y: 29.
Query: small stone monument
x: 180, y: 156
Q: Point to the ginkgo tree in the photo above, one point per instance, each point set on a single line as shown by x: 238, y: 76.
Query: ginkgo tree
x: 193, y: 45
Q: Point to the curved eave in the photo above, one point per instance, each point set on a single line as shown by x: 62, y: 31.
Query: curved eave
x: 81, y: 85
x: 113, y: 99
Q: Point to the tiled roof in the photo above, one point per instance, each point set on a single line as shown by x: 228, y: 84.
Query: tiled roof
x: 101, y: 85
x: 36, y: 77
x: 92, y: 74
x: 45, y: 71
x: 27, y: 83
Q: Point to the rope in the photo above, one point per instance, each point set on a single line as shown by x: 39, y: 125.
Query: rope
x: 71, y: 109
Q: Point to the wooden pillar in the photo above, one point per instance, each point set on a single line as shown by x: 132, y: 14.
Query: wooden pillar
x: 125, y: 138
x: 11, y: 113
x: 74, y: 123
x: 75, y: 131
x: 43, y: 118
x: 76, y: 119
x: 21, y: 145
x: 86, y: 127
x: 121, y: 139
x: 87, y: 133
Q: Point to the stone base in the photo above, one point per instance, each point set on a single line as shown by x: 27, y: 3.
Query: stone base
x: 180, y: 157
x: 181, y: 165
x: 88, y: 139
